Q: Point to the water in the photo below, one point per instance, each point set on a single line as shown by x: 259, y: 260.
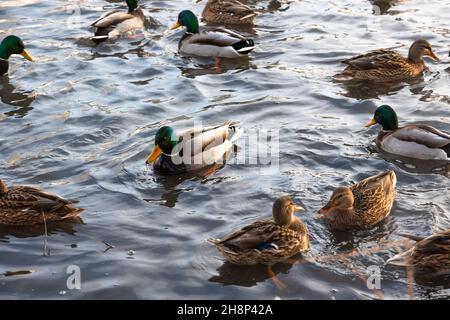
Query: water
x: 81, y: 120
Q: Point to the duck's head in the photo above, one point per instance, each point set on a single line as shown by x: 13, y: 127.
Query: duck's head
x: 283, y: 211
x: 132, y: 4
x: 165, y: 141
x: 188, y: 19
x: 419, y: 49
x: 3, y: 188
x: 342, y: 198
x: 385, y: 116
x: 13, y: 45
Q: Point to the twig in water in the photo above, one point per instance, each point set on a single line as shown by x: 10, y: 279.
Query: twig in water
x: 109, y: 246
x: 46, y: 249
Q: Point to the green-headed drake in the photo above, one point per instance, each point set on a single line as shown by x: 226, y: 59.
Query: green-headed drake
x: 267, y: 241
x: 11, y: 45
x: 216, y: 43
x: 228, y: 12
x: 23, y: 205
x: 116, y: 23
x: 429, y: 256
x: 192, y: 149
x: 417, y: 141
x: 362, y: 205
x: 386, y: 65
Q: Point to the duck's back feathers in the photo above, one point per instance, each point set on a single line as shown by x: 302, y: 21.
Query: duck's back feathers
x: 228, y: 12
x: 23, y: 205
x: 423, y: 134
x: 216, y: 42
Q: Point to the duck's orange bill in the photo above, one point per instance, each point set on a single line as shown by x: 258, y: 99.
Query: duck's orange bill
x: 176, y: 25
x: 371, y: 123
x: 327, y: 208
x: 156, y: 152
x: 433, y: 56
x: 298, y: 208
x: 26, y: 55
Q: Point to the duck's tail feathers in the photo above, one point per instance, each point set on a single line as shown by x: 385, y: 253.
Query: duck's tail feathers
x: 99, y: 39
x: 244, y: 46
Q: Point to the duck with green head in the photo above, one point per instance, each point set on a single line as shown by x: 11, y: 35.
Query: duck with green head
x: 216, y: 43
x: 416, y: 141
x: 387, y: 65
x: 191, y: 149
x: 9, y: 46
x: 116, y: 23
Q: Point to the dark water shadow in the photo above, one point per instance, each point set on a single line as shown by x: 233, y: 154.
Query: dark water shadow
x: 21, y: 100
x: 249, y: 276
x: 207, y: 66
x: 362, y: 90
x: 66, y: 226
x: 170, y: 183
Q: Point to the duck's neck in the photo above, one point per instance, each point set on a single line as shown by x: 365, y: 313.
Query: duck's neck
x: 297, y: 225
x: 4, y: 52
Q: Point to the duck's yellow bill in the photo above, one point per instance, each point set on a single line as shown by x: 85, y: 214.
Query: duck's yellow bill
x: 26, y: 55
x: 371, y: 123
x: 176, y: 25
x: 298, y: 208
x: 156, y: 152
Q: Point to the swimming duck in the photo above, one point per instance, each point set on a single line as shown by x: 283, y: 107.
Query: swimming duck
x: 23, y: 206
x: 216, y: 43
x: 362, y: 205
x: 267, y: 241
x: 191, y: 149
x: 388, y: 65
x: 116, y: 23
x: 414, y: 141
x: 228, y: 12
x: 430, y: 255
x: 11, y: 45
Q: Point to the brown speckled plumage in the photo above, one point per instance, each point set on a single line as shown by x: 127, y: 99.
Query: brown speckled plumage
x: 23, y: 205
x: 386, y: 65
x: 430, y: 255
x: 228, y: 12
x: 362, y: 205
x: 286, y: 234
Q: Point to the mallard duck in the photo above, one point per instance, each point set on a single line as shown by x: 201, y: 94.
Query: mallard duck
x: 362, y: 205
x: 413, y: 141
x: 216, y: 43
x: 388, y: 65
x: 11, y: 45
x: 116, y: 23
x: 430, y: 256
x: 191, y: 149
x: 267, y: 241
x: 23, y: 205
x: 228, y: 12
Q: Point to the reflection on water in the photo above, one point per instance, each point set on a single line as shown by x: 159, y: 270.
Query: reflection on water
x: 17, y: 98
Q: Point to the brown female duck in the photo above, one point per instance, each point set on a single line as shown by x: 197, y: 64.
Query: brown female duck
x: 228, y: 12
x: 267, y: 241
x: 362, y: 205
x: 386, y: 65
x: 23, y: 205
x: 430, y: 255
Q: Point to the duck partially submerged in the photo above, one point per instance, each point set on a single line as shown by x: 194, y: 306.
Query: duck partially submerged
x: 267, y: 241
x: 192, y: 149
x: 362, y: 205
x: 24, y: 206
x: 9, y: 46
x: 216, y: 43
x: 430, y: 256
x: 416, y: 141
x: 387, y: 65
x: 228, y: 12
x: 116, y: 23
